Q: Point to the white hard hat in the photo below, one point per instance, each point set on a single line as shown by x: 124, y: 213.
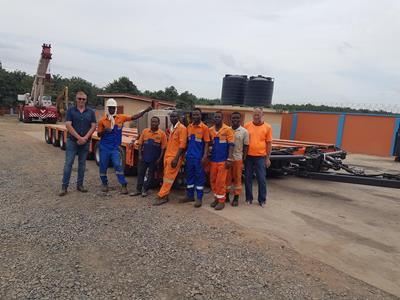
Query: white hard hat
x: 111, y: 102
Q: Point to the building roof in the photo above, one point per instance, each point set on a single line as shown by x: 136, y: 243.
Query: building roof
x: 136, y: 97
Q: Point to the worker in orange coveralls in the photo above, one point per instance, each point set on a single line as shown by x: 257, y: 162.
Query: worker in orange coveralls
x: 234, y: 177
x: 222, y: 139
x: 173, y: 157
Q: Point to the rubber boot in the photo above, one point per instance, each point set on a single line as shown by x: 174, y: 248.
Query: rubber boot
x: 104, y: 188
x: 227, y: 200
x: 220, y: 206
x: 235, y: 201
x: 124, y: 190
x: 214, y: 204
x: 198, y: 203
x: 63, y: 191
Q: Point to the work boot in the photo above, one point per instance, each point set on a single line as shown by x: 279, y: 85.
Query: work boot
x: 185, y: 199
x: 81, y: 189
x: 160, y: 200
x: 214, y: 204
x: 104, y: 188
x: 144, y: 194
x: 198, y: 203
x: 124, y: 190
x: 235, y: 201
x: 220, y: 206
x: 63, y: 191
x: 137, y: 193
x: 227, y: 200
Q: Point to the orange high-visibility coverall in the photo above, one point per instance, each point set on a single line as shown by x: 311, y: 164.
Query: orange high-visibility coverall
x: 221, y: 140
x: 177, y: 139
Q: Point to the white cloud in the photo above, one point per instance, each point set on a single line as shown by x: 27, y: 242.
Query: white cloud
x: 318, y: 50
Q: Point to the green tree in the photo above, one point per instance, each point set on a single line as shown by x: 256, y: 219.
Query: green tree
x: 171, y: 93
x: 122, y: 85
x: 186, y: 100
x: 12, y: 84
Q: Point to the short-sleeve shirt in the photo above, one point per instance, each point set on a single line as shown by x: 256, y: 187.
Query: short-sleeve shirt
x: 81, y: 121
x: 176, y: 139
x: 153, y: 142
x: 241, y: 139
x: 259, y: 135
x: 112, y: 139
x: 221, y: 140
x: 198, y: 136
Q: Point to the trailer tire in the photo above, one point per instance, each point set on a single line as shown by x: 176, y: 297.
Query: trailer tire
x: 122, y: 156
x: 61, y: 141
x: 96, y: 154
x: 54, y: 140
x: 47, y: 137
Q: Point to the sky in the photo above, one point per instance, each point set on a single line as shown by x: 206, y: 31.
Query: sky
x: 318, y: 51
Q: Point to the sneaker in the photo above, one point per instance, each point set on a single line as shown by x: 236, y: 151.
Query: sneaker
x: 220, y: 206
x: 63, y: 192
x: 262, y: 204
x: 227, y: 200
x: 124, y: 190
x: 235, y: 201
x: 144, y: 194
x: 197, y: 204
x: 214, y: 204
x: 249, y: 202
x: 81, y: 189
x: 159, y: 201
x: 137, y: 193
x: 185, y: 199
x: 104, y: 188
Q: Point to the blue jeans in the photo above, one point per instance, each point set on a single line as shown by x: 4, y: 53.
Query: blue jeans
x: 257, y: 164
x: 71, y: 150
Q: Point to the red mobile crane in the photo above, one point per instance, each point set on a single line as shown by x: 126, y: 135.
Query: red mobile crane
x: 36, y: 106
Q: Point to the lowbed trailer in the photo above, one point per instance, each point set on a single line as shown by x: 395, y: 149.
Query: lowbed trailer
x: 304, y: 159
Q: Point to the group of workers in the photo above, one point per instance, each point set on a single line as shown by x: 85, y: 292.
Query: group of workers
x: 220, y: 151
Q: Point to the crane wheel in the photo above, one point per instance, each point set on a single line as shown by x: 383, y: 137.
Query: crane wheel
x: 25, y: 120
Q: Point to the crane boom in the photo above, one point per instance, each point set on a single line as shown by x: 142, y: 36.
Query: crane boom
x: 38, y: 82
x: 36, y: 106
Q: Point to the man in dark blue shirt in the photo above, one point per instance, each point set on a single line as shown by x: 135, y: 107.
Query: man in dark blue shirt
x: 80, y: 123
x: 152, y: 143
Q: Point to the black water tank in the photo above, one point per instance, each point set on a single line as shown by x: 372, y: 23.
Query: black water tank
x: 233, y: 89
x: 259, y: 91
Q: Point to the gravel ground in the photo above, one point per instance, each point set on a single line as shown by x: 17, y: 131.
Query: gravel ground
x: 91, y: 246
